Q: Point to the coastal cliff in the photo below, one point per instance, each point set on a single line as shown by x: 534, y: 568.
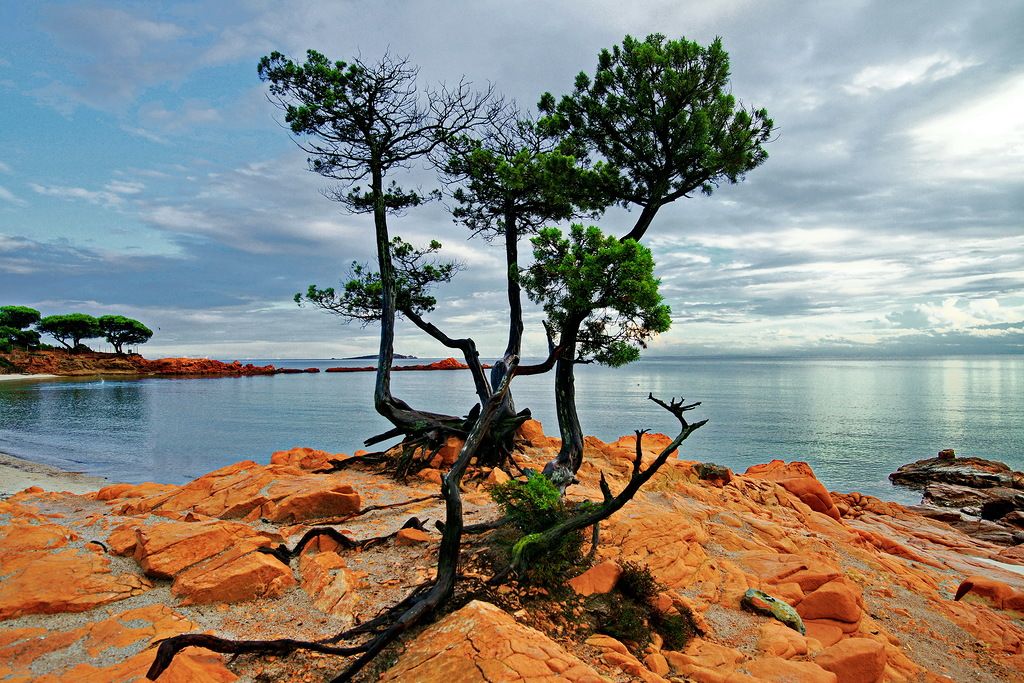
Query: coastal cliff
x: 882, y: 593
x: 87, y: 363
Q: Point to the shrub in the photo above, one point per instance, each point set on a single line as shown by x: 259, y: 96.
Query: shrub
x: 637, y: 582
x: 675, y: 629
x: 533, y: 505
x: 622, y: 618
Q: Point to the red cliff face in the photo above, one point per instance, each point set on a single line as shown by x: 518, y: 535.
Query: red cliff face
x: 52, y: 362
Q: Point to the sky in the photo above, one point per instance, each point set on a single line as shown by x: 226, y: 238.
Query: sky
x: 143, y: 172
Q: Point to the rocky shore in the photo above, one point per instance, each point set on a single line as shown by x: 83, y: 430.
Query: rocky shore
x: 88, y: 363
x: 883, y: 593
x: 982, y: 498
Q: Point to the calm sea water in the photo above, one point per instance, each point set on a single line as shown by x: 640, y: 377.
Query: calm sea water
x: 855, y: 421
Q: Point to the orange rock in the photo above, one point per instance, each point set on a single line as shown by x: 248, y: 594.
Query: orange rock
x: 482, y: 643
x: 797, y: 478
x: 23, y: 650
x: 657, y: 663
x: 306, y: 458
x: 236, y: 575
x: 65, y: 580
x: 778, y: 670
x: 189, y: 666
x: 430, y: 474
x: 836, y: 600
x: 781, y: 641
x: 411, y: 537
x: 824, y: 632
x: 995, y: 593
x: 115, y: 491
x: 327, y: 580
x: 854, y: 660
x: 701, y: 654
x: 599, y: 579
x: 449, y: 453
x: 165, y: 549
x: 281, y: 493
x: 496, y: 476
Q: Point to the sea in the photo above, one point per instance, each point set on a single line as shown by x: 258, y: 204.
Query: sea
x: 854, y: 421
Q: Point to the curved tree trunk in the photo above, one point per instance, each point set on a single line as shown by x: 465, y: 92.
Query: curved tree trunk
x: 562, y: 470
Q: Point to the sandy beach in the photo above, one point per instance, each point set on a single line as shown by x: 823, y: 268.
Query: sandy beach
x: 11, y: 378
x: 17, y: 474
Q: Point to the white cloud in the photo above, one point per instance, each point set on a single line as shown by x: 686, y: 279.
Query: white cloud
x: 96, y: 197
x: 984, y: 138
x: 124, y: 187
x: 894, y: 75
x: 8, y: 196
x: 4, y: 168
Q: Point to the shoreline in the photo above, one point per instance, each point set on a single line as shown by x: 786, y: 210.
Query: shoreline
x: 18, y: 474
x: 23, y: 376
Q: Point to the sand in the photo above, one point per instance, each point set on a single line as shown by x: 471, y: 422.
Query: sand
x: 9, y: 378
x: 17, y: 474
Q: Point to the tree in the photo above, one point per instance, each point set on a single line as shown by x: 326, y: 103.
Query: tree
x: 360, y: 123
x: 512, y: 178
x: 601, y: 298
x: 13, y: 323
x: 72, y: 326
x: 661, y: 112
x: 18, y: 317
x: 120, y: 330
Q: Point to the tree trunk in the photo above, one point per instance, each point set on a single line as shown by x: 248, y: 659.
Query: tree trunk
x: 642, y: 223
x: 382, y: 399
x: 562, y: 470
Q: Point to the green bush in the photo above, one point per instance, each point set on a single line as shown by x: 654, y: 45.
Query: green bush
x: 675, y: 629
x: 533, y: 505
x: 622, y: 618
x: 637, y: 582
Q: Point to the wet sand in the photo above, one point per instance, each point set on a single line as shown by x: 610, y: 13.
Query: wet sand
x: 17, y: 474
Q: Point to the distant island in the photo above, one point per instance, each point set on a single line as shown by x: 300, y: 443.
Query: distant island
x: 373, y: 356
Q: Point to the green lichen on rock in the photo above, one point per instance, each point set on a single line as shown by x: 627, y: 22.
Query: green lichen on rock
x: 761, y: 603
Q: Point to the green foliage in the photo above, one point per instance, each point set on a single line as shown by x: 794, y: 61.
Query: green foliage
x: 603, y: 287
x: 515, y: 171
x: 661, y: 111
x: 624, y: 619
x: 73, y: 327
x: 18, y: 317
x: 675, y: 629
x: 533, y: 505
x: 360, y: 298
x: 637, y: 582
x: 357, y: 121
x: 120, y: 331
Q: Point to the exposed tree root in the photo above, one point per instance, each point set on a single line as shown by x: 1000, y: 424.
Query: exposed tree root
x: 282, y: 552
x: 282, y: 646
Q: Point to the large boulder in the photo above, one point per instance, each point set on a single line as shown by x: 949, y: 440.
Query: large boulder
x: 976, y: 473
x: 279, y: 493
x: 482, y: 643
x: 855, y: 660
x: 797, y: 478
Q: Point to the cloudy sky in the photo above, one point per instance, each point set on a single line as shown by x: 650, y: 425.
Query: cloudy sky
x: 143, y: 172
